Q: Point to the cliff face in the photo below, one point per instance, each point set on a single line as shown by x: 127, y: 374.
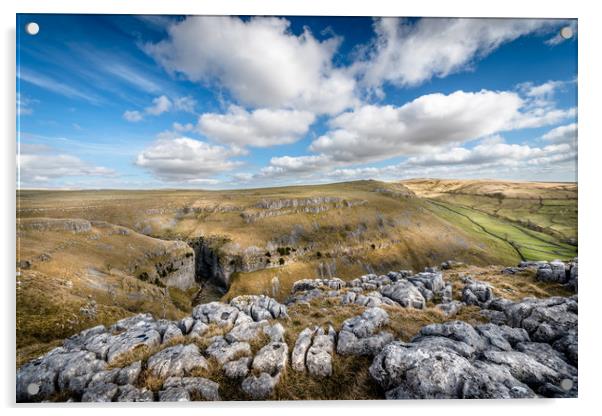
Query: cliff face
x: 216, y: 262
x: 179, y: 269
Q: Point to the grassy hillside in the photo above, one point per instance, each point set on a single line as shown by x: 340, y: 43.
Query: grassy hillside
x: 549, y: 208
x: 73, y: 275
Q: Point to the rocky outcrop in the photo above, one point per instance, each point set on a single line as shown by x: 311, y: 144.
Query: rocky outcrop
x: 80, y: 368
x: 477, y: 293
x: 313, y: 351
x: 361, y: 336
x: 527, y: 349
x: 456, y: 360
x: 554, y: 271
x: 277, y: 207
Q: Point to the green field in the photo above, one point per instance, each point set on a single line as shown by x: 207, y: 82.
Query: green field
x: 528, y: 244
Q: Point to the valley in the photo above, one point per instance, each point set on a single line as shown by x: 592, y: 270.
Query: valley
x: 93, y: 257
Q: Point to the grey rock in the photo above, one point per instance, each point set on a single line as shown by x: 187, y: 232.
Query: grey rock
x: 349, y: 344
x: 93, y: 339
x: 259, y: 307
x: 367, y: 323
x: 437, y: 342
x: 132, y: 333
x: 272, y: 358
x: 247, y: 331
x: 171, y: 331
x: 455, y: 330
x: 198, y: 329
x: 223, y: 351
x: 275, y: 332
x: 215, y: 313
x: 129, y: 393
x: 554, y: 271
x: 78, y: 370
x: 404, y: 293
x: 446, y: 293
x: 176, y: 361
x: 194, y: 387
x: 523, y: 367
x: 494, y: 382
x: 100, y: 392
x: 129, y: 374
x: 546, y: 320
x: 548, y: 356
x: 300, y: 350
x: 495, y: 317
x: 104, y: 376
x: 358, y: 334
x: 186, y: 324
x: 260, y: 387
x: 477, y: 293
x: 319, y: 355
x: 450, y: 308
x: 568, y: 345
x: 432, y: 281
x: 423, y: 373
x: 238, y: 368
x: 502, y: 337
x: 174, y: 394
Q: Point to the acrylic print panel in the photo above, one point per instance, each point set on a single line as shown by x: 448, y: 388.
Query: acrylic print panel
x: 295, y: 208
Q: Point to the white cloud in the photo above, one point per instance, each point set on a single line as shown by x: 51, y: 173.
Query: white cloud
x: 259, y: 61
x: 39, y: 164
x: 186, y: 104
x: 371, y: 133
x: 296, y: 165
x: 132, y: 116
x: 409, y: 53
x: 258, y: 128
x: 160, y: 105
x: 562, y: 134
x: 185, y: 159
x: 179, y: 127
x: 380, y: 132
x: 490, y: 158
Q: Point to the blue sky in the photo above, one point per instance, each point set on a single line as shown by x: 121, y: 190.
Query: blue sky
x: 113, y: 101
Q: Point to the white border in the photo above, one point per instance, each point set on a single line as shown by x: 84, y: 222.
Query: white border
x: 590, y: 73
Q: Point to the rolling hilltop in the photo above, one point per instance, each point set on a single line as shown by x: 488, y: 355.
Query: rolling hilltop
x: 88, y: 257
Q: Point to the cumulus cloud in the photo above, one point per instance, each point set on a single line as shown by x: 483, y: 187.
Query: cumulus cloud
x: 160, y: 105
x: 492, y: 156
x: 179, y: 127
x: 39, y: 164
x: 132, y: 116
x: 372, y: 132
x: 258, y: 128
x: 186, y: 104
x: 259, y: 61
x: 408, y: 53
x: 380, y: 132
x: 185, y: 159
x: 562, y: 134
